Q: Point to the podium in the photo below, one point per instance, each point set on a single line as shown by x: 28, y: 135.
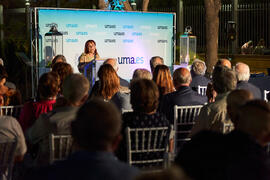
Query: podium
x: 90, y: 71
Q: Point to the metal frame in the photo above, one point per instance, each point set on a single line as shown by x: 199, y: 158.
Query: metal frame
x: 35, y: 47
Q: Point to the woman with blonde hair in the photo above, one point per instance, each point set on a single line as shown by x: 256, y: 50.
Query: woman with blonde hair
x: 162, y: 77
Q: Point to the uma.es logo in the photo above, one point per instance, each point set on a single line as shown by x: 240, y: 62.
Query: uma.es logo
x: 130, y: 60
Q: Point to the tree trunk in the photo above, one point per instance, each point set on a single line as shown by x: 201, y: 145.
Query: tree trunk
x: 127, y: 6
x: 145, y: 5
x: 102, y: 4
x: 212, y: 8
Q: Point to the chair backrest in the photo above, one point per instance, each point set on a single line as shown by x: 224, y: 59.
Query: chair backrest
x: 126, y: 110
x: 60, y: 146
x: 147, y: 147
x: 202, y: 90
x: 227, y: 127
x: 265, y: 95
x: 184, y: 119
x: 11, y: 110
x: 7, y: 155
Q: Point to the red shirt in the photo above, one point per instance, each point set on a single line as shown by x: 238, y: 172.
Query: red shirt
x: 32, y: 110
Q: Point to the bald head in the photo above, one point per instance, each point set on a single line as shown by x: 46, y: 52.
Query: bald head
x: 224, y: 62
x: 254, y: 119
x: 181, y: 77
x: 112, y: 62
x: 242, y: 71
x: 235, y: 100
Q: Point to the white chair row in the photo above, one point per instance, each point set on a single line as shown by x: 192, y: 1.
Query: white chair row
x: 11, y: 110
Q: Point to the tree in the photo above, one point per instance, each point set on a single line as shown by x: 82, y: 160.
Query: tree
x: 115, y: 4
x: 212, y: 8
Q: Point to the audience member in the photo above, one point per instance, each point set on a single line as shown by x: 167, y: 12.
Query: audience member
x: 114, y: 64
x: 246, y: 157
x: 162, y: 77
x: 3, y: 88
x: 210, y: 92
x: 154, y: 61
x: 48, y: 88
x: 57, y: 59
x: 141, y: 74
x: 213, y: 116
x: 13, y: 96
x: 10, y: 129
x: 197, y: 72
x: 75, y: 92
x: 235, y: 100
x: 144, y: 101
x: 224, y: 62
x: 96, y: 134
x: 109, y: 88
x: 183, y: 96
x: 243, y: 74
x: 63, y: 70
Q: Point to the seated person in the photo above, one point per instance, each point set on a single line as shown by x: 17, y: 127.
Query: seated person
x: 75, y: 92
x: 109, y: 88
x: 63, y: 70
x: 10, y: 129
x: 57, y: 59
x: 144, y: 101
x: 197, y: 72
x: 48, y: 88
x: 96, y: 134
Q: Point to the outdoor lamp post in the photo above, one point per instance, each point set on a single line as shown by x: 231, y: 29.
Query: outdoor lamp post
x: 188, y: 45
x: 53, y: 44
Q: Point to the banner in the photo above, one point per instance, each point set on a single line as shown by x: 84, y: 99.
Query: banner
x: 130, y: 37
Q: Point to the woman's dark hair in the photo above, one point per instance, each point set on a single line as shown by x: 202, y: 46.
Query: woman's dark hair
x: 85, y: 46
x: 48, y: 85
x: 63, y: 70
x: 57, y: 58
x: 144, y: 95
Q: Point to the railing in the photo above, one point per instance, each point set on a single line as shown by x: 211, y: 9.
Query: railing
x: 253, y: 23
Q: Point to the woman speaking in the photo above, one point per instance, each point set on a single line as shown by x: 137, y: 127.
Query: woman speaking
x: 90, y: 53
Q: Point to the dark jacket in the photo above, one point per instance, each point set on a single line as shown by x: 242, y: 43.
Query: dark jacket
x: 184, y: 96
x: 211, y: 155
x: 85, y: 165
x: 250, y: 87
x: 198, y: 80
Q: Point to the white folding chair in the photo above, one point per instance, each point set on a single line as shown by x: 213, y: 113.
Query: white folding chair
x: 227, y: 127
x: 147, y: 147
x: 265, y: 95
x: 184, y: 119
x: 202, y: 90
x: 126, y: 110
x: 7, y: 155
x: 11, y: 110
x: 60, y: 146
